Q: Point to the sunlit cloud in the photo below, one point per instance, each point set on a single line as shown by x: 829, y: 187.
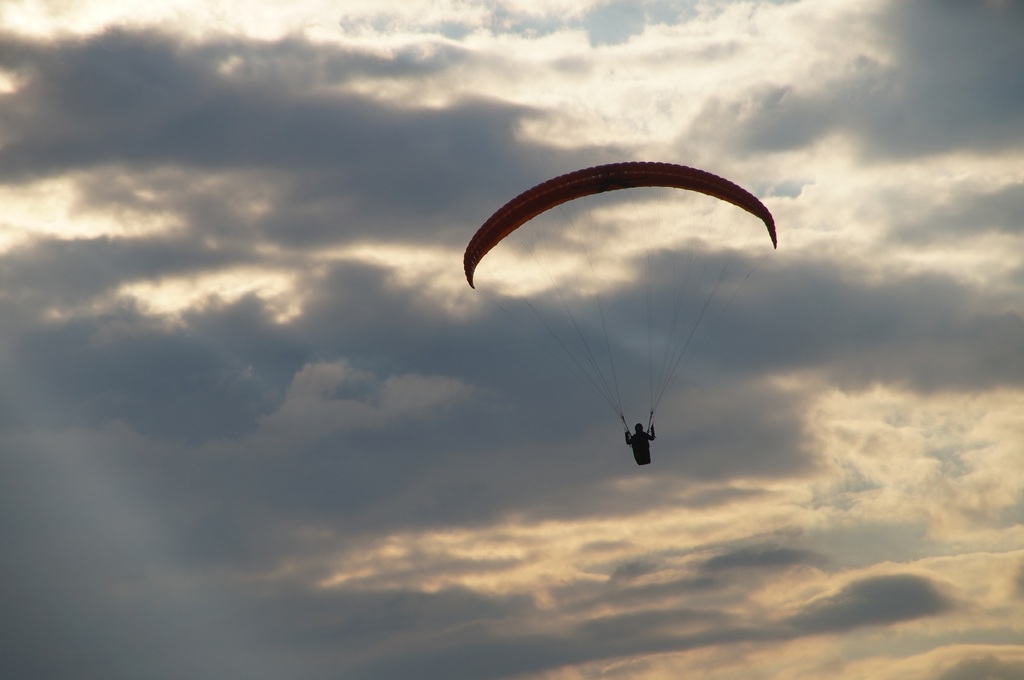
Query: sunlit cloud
x: 328, y: 398
x: 172, y: 296
x: 942, y: 459
x: 53, y: 208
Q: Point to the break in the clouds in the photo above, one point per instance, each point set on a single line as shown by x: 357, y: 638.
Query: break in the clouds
x: 254, y: 423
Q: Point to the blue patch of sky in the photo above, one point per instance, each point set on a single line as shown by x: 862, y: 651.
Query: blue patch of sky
x: 951, y: 461
x: 1013, y: 515
x: 615, y: 22
x: 790, y: 188
x: 453, y: 30
x: 609, y: 23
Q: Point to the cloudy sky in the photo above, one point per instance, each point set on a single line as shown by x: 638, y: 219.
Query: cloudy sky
x: 254, y: 424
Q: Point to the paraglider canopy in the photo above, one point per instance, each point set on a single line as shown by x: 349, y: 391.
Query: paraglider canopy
x: 599, y: 179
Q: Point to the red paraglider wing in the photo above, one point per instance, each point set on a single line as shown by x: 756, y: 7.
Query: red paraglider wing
x: 598, y: 179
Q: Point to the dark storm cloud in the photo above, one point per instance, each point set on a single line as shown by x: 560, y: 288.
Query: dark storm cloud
x: 954, y: 84
x: 967, y: 214
x: 60, y: 273
x: 919, y: 331
x: 632, y: 570
x: 873, y: 601
x: 145, y: 97
x: 178, y: 385
x: 630, y: 586
x: 87, y: 579
x: 761, y: 558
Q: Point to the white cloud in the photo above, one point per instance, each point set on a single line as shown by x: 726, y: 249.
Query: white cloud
x: 334, y: 397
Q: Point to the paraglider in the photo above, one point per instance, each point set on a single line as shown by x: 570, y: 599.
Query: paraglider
x: 589, y: 182
x: 640, y: 442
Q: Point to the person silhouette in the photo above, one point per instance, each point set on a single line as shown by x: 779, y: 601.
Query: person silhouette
x: 640, y: 442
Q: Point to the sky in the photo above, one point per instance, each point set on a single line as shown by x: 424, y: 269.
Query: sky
x: 255, y: 424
